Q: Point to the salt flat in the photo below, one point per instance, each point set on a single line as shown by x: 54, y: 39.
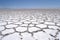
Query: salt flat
x: 30, y: 24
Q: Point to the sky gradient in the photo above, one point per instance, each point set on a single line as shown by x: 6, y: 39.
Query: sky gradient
x: 29, y: 3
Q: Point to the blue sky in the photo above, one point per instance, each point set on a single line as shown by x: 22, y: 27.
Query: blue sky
x: 29, y: 3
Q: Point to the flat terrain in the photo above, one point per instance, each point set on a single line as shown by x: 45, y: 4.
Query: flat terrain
x: 30, y: 24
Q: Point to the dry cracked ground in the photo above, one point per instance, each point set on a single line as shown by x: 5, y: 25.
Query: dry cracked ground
x: 31, y: 24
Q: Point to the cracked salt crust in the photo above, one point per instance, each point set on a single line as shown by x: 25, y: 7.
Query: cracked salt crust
x: 30, y: 26
x: 11, y: 26
x: 14, y: 20
x: 58, y: 36
x: 54, y: 27
x: 33, y: 29
x: 14, y: 36
x: 49, y: 31
x: 40, y: 21
x: 27, y: 22
x: 18, y: 23
x: 41, y: 36
x: 49, y: 23
x: 10, y: 22
x: 2, y: 28
x: 22, y: 21
x: 24, y: 25
x: 27, y: 36
x: 33, y: 20
x: 41, y: 25
x: 35, y: 23
x: 48, y: 20
x: 21, y: 29
x: 7, y: 31
x: 0, y: 37
x: 58, y: 24
x: 3, y: 23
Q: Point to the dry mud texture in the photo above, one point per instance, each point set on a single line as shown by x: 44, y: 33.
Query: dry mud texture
x: 30, y: 24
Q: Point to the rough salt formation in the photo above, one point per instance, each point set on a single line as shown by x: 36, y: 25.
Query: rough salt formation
x: 42, y: 24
